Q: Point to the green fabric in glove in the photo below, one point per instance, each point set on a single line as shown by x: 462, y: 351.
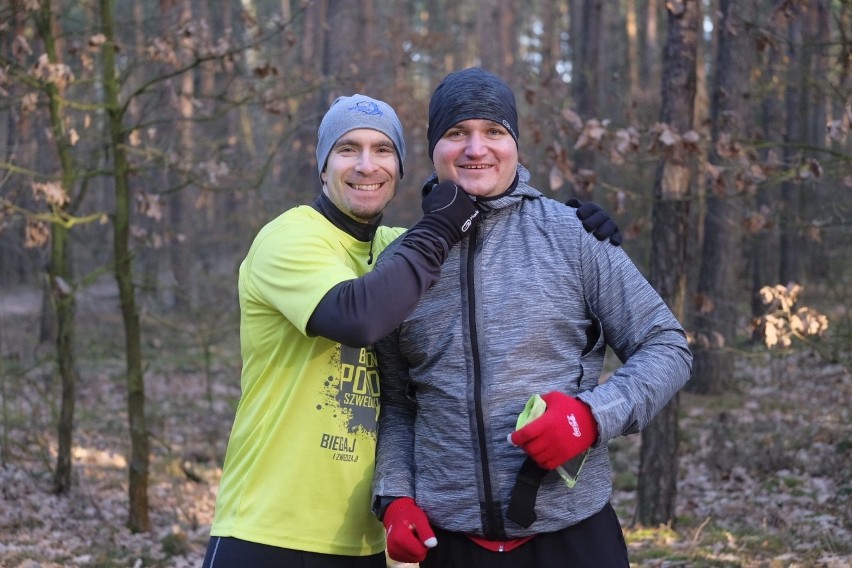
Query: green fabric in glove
x: 570, y: 470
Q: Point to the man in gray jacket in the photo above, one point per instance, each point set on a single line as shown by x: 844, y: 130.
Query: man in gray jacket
x: 525, y: 306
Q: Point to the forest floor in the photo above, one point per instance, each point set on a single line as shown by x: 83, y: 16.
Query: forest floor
x: 765, y: 471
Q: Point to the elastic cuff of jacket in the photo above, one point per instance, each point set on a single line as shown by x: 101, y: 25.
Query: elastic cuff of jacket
x: 602, y: 438
x: 381, y: 504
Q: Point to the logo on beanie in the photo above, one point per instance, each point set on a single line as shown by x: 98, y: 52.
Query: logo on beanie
x: 509, y: 127
x: 367, y: 107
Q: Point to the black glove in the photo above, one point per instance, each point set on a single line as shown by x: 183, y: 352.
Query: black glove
x: 448, y: 211
x: 596, y: 221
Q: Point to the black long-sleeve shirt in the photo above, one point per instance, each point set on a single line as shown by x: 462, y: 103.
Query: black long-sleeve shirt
x: 360, y: 311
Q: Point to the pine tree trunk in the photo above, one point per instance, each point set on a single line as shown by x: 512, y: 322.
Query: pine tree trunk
x: 658, y: 460
x: 789, y: 265
x: 763, y: 234
x: 718, y: 290
x: 587, y: 20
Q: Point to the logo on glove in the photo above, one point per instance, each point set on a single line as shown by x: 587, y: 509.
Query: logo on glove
x: 574, y: 426
x: 467, y: 223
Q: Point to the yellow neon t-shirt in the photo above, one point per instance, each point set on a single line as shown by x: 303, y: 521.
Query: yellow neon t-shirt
x: 300, y: 458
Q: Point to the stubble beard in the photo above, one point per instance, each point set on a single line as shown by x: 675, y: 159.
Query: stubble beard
x: 366, y: 214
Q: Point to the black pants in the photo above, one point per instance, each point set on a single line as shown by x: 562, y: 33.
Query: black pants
x: 596, y: 542
x: 227, y: 552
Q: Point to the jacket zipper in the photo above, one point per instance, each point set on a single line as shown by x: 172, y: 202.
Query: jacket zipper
x: 492, y: 515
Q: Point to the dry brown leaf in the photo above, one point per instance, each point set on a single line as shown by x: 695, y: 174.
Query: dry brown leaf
x: 50, y: 192
x: 703, y: 304
x: 573, y: 119
x: 668, y: 137
x: 36, y: 234
x: 29, y: 102
x: 150, y: 205
x: 556, y: 178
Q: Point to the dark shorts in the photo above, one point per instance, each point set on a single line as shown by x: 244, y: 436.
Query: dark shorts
x: 227, y: 552
x: 596, y: 542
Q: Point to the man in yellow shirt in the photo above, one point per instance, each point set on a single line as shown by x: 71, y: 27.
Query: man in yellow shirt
x: 295, y: 488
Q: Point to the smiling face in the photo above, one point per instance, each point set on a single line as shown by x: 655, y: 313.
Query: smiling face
x: 479, y: 155
x: 361, y: 173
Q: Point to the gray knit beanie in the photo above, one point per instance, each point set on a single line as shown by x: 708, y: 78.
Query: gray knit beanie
x: 358, y: 111
x: 471, y: 94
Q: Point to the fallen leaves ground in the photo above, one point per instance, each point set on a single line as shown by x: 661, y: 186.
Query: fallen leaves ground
x: 764, y: 473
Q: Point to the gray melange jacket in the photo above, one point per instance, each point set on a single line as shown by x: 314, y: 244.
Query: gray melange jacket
x: 525, y: 305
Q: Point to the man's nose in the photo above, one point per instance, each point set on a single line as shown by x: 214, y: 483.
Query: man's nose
x: 475, y: 145
x: 365, y: 163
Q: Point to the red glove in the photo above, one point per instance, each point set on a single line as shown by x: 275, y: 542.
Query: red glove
x: 409, y: 534
x: 565, y: 430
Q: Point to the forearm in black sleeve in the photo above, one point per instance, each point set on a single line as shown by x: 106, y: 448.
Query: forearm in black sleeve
x: 360, y: 311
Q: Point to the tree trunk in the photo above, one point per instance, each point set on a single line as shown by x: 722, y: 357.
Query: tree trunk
x: 585, y: 78
x: 789, y: 269
x: 139, y: 519
x: 59, y: 269
x: 338, y: 49
x: 762, y: 237
x: 180, y: 201
x: 817, y: 255
x: 494, y: 27
x: 657, y: 486
x: 488, y: 34
x: 658, y: 464
x: 65, y: 306
x: 632, y: 55
x: 718, y: 289
x: 507, y: 25
x: 649, y: 56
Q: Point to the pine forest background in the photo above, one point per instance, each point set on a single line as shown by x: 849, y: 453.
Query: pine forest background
x: 143, y: 144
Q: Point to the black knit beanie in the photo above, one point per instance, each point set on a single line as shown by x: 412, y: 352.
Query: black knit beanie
x: 470, y: 94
